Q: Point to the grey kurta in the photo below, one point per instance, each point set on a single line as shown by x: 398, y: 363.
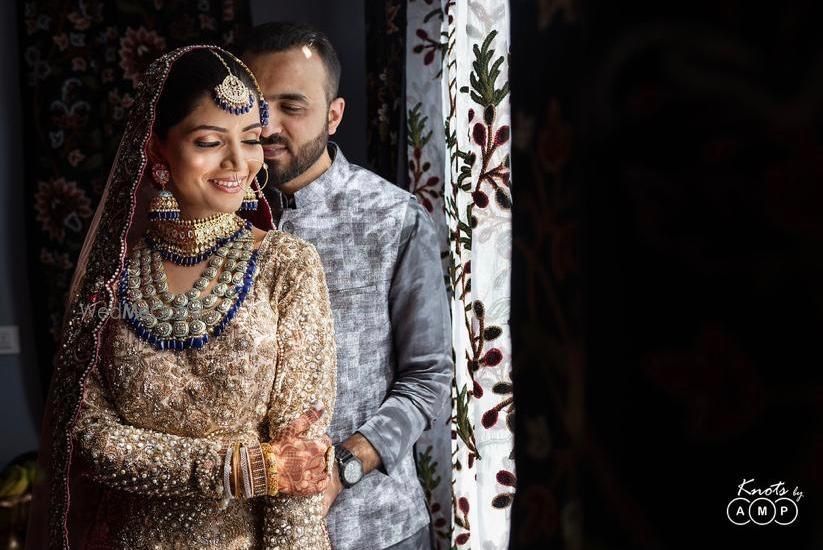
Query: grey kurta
x: 381, y: 256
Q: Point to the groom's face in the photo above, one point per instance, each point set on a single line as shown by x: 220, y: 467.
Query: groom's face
x: 301, y: 119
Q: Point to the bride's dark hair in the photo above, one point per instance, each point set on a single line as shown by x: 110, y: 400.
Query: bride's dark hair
x: 192, y: 77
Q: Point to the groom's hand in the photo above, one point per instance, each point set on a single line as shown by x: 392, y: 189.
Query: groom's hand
x: 334, y: 488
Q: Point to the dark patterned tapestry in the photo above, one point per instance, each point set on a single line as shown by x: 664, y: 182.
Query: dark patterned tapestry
x: 81, y: 61
x: 548, y: 339
x: 705, y: 304
x: 385, y: 99
x: 667, y: 298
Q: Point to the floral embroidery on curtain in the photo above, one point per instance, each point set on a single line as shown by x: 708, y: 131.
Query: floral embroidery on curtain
x: 81, y: 61
x: 426, y: 153
x: 478, y: 205
x: 458, y: 144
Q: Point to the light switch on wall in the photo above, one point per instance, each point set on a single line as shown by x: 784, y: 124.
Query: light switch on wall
x: 9, y: 340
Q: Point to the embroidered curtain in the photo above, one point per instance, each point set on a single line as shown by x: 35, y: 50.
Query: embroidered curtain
x: 426, y: 166
x: 81, y: 62
x: 478, y: 206
x: 457, y: 138
x: 661, y: 336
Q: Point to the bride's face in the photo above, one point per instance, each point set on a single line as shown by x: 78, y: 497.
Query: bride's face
x: 212, y: 156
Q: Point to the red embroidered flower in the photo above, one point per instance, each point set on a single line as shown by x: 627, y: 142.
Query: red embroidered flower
x: 75, y: 157
x: 713, y: 380
x: 61, y: 41
x: 60, y: 204
x: 138, y: 48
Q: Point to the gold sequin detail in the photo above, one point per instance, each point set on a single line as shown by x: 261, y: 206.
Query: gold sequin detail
x: 154, y: 424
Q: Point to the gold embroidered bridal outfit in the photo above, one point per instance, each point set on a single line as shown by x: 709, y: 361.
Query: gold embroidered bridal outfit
x: 136, y: 438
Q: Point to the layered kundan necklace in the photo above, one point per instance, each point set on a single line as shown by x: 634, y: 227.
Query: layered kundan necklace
x: 187, y: 320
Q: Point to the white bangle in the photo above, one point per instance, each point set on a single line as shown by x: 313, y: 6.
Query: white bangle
x: 227, y: 494
x: 244, y: 468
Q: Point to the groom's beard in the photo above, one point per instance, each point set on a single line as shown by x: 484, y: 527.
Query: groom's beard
x: 307, y: 155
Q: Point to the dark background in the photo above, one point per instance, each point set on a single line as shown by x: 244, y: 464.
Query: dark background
x: 678, y: 287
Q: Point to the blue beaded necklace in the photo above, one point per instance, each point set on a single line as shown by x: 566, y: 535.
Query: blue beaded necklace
x: 177, y: 322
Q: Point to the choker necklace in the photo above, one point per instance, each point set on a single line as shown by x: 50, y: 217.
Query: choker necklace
x: 170, y: 321
x: 189, y: 242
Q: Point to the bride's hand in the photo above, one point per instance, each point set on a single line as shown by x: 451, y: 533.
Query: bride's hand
x: 301, y: 463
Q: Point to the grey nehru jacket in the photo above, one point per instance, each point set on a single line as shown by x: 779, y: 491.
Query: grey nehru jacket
x: 394, y: 367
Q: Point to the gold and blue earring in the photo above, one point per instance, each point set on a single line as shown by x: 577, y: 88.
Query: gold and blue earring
x: 250, y: 199
x: 250, y: 202
x: 163, y: 206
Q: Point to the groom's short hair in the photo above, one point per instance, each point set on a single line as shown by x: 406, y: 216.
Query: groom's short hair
x: 279, y: 36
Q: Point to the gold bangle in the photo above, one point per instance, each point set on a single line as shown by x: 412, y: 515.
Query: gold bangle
x: 258, y: 470
x: 271, y: 469
x: 235, y: 464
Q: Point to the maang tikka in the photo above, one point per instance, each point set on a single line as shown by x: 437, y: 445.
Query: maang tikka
x: 234, y: 96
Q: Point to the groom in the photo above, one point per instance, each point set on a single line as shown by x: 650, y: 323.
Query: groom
x: 381, y: 256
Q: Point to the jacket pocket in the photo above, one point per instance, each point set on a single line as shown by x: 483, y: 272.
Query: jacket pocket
x: 346, y: 290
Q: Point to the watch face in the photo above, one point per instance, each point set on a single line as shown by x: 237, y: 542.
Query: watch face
x: 352, y: 471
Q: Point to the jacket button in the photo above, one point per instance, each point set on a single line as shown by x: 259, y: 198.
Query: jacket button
x: 288, y: 227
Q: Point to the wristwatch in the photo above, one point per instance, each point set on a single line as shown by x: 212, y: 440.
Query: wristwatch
x: 348, y: 465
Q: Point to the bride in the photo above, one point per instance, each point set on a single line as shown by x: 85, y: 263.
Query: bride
x: 197, y: 358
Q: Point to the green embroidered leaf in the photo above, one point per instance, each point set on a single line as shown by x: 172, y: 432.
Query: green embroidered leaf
x: 465, y: 430
x: 416, y: 125
x: 427, y: 471
x: 483, y: 77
